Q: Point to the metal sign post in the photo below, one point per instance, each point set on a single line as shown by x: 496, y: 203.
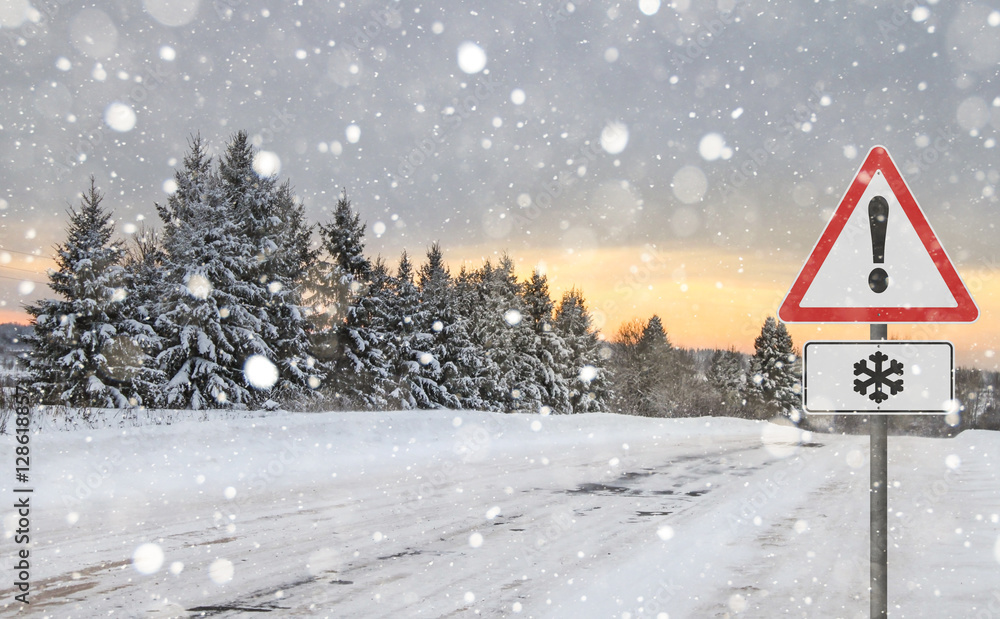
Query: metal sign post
x: 878, y: 426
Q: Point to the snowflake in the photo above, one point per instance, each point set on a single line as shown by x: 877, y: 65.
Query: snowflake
x: 878, y: 377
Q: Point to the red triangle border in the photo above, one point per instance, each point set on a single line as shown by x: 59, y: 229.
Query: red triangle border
x: 878, y: 159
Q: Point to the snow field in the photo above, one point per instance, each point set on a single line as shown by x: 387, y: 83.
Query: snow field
x: 454, y: 513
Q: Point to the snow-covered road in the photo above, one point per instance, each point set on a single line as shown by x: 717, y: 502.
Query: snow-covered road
x: 434, y: 514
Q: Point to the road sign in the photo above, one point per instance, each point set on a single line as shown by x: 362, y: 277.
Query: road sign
x: 878, y: 260
x: 878, y: 377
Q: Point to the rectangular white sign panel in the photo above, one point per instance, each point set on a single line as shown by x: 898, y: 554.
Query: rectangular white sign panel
x: 878, y: 377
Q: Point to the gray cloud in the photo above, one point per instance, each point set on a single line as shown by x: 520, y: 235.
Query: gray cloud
x: 798, y: 90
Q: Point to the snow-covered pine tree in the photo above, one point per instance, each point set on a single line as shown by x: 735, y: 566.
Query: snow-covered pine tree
x: 207, y: 330
x: 538, y: 302
x: 436, y: 326
x: 476, y: 371
x: 482, y: 307
x: 364, y: 375
x: 586, y: 374
x: 284, y: 269
x: 668, y: 375
x: 727, y: 377
x: 411, y: 389
x: 143, y: 264
x: 509, y: 338
x: 335, y: 278
x: 774, y: 383
x: 655, y: 364
x: 549, y: 346
x: 86, y: 350
x: 272, y: 227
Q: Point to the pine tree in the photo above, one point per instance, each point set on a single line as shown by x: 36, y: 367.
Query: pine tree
x: 673, y: 386
x: 476, y: 371
x: 86, y: 351
x: 774, y: 385
x: 727, y: 376
x: 655, y: 364
x: 484, y: 303
x: 586, y: 372
x: 654, y: 337
x: 509, y: 339
x: 538, y: 301
x: 285, y: 270
x: 335, y: 277
x: 208, y: 332
x: 143, y: 262
x: 548, y: 346
x: 249, y: 200
x: 364, y: 374
x: 437, y: 326
x: 411, y: 390
x: 271, y: 227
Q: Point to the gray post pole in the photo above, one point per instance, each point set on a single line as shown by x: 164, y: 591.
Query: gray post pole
x: 879, y: 528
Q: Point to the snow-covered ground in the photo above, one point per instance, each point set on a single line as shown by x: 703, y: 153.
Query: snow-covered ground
x: 434, y: 514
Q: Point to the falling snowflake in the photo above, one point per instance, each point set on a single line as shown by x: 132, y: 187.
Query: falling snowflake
x: 120, y: 117
x: 260, y: 372
x: 471, y: 58
x: 221, y: 571
x: 198, y: 286
x: 147, y: 558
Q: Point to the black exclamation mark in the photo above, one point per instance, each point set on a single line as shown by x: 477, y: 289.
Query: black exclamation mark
x: 878, y: 218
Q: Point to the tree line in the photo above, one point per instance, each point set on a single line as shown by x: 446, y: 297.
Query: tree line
x: 651, y: 375
x: 231, y: 305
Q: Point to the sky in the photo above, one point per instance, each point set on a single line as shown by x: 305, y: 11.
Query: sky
x: 674, y: 158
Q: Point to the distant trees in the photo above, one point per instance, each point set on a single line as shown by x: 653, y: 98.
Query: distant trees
x: 977, y: 391
x: 727, y: 376
x: 231, y: 305
x: 651, y: 377
x: 641, y: 356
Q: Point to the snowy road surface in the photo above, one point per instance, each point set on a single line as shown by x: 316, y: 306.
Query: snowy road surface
x: 453, y: 514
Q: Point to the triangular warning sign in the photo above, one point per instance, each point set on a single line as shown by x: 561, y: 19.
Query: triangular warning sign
x: 878, y: 260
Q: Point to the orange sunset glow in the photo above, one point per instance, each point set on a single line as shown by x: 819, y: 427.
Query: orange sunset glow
x: 715, y: 298
x: 706, y: 297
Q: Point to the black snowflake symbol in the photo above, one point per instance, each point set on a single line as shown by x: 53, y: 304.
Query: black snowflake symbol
x: 878, y: 377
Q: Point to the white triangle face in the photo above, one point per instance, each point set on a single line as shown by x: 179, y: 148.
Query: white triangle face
x: 914, y: 280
